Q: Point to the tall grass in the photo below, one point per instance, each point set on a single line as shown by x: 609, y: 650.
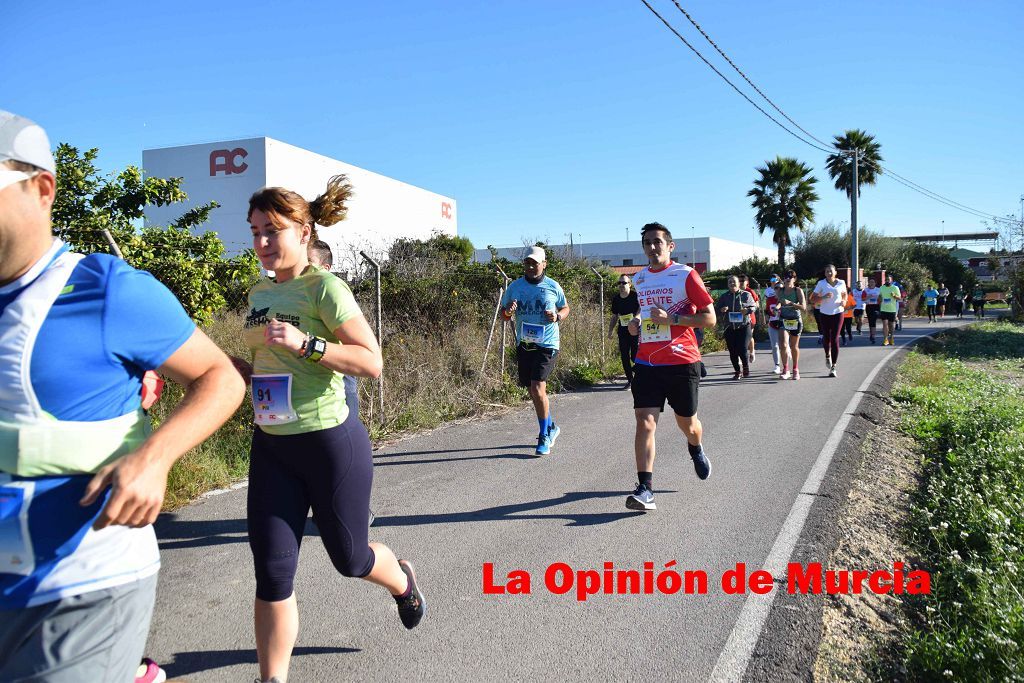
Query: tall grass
x: 965, y: 406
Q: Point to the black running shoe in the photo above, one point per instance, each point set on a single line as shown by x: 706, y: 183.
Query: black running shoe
x: 701, y: 464
x: 412, y: 608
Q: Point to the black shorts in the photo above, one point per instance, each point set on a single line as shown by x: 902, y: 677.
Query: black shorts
x: 535, y: 363
x: 858, y: 313
x: 887, y: 315
x: 653, y: 385
x: 872, y: 310
x: 797, y: 331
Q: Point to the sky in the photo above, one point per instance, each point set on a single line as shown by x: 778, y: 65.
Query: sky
x: 549, y: 117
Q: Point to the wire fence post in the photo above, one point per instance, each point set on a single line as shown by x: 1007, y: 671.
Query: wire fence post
x: 504, y: 323
x: 380, y: 332
x: 490, y: 336
x: 600, y: 310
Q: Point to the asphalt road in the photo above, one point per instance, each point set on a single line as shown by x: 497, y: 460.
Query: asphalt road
x: 473, y: 493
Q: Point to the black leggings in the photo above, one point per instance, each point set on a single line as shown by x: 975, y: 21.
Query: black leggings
x: 737, y: 338
x: 330, y: 470
x: 830, y: 326
x: 628, y: 345
x: 847, y: 330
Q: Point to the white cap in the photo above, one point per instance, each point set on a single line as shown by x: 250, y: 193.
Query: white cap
x: 536, y: 253
x: 24, y: 141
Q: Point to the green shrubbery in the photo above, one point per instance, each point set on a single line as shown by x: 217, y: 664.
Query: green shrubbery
x: 969, y: 513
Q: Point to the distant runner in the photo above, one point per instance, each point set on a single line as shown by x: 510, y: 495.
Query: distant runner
x: 774, y: 322
x: 889, y: 298
x: 538, y: 304
x: 943, y: 299
x: 830, y: 294
x: 858, y: 307
x: 734, y: 308
x: 794, y: 303
x: 931, y: 302
x: 673, y: 301
x: 625, y: 307
x: 870, y: 298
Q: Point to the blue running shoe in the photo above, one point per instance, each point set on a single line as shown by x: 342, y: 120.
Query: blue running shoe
x: 701, y: 464
x: 553, y: 432
x: 543, y: 444
x: 641, y: 499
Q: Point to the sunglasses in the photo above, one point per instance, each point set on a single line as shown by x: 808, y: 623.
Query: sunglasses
x: 10, y: 177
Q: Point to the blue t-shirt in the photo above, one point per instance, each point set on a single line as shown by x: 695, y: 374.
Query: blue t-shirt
x: 110, y: 324
x: 931, y: 296
x: 532, y: 326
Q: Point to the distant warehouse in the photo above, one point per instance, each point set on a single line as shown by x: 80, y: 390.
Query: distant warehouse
x: 382, y: 209
x: 708, y: 253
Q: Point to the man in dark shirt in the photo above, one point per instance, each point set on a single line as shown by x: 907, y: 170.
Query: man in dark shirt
x: 625, y: 307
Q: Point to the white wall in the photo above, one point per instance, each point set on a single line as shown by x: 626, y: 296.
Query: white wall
x: 726, y: 253
x: 230, y: 189
x: 382, y: 209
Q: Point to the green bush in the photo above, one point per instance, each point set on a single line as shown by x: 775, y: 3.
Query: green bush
x: 968, y: 516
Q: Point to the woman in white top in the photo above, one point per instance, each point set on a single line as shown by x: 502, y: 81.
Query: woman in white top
x: 830, y: 293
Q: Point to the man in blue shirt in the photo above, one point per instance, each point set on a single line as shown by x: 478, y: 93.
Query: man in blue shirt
x: 81, y: 477
x: 538, y: 304
x: 931, y: 300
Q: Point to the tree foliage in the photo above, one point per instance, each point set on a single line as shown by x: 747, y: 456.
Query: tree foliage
x: 193, y: 266
x: 840, y: 166
x: 783, y: 195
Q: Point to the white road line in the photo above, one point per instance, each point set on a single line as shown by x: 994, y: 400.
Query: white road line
x: 736, y: 654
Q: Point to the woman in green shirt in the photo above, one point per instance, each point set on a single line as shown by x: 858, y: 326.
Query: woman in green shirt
x: 309, y: 450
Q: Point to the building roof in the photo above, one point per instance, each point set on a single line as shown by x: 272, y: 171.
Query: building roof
x: 962, y: 254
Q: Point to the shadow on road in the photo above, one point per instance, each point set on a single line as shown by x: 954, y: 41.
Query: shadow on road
x: 515, y: 512
x: 527, y: 455
x: 186, y: 663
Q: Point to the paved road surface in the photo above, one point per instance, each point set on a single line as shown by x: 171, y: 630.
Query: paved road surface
x: 473, y: 493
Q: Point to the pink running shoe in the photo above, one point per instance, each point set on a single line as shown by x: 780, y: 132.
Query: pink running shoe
x: 149, y: 672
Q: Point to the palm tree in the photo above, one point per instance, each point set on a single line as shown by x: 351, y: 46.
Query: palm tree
x: 783, y: 196
x: 840, y: 166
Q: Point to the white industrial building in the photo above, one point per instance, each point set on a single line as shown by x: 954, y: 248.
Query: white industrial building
x: 708, y: 253
x: 381, y: 210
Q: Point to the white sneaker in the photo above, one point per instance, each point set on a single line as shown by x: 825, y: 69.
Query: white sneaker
x: 832, y: 372
x: 828, y: 362
x: 784, y: 375
x: 777, y: 370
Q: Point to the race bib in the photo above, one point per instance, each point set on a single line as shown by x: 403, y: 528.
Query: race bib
x: 735, y: 317
x: 272, y: 399
x: 886, y: 301
x: 533, y: 333
x: 651, y: 331
x: 929, y: 302
x: 791, y: 325
x: 16, y: 556
x: 624, y: 320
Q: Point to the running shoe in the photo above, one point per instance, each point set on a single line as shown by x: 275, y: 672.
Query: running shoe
x: 777, y: 370
x: 701, y: 464
x: 746, y: 372
x: 832, y: 371
x: 553, y: 432
x: 828, y: 362
x: 796, y: 374
x: 641, y: 499
x: 149, y: 672
x: 544, y: 443
x: 412, y: 607
x: 785, y: 375
x: 736, y: 375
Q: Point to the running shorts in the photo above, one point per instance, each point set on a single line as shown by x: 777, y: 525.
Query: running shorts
x: 887, y: 315
x: 536, y: 363
x: 872, y: 310
x: 677, y: 384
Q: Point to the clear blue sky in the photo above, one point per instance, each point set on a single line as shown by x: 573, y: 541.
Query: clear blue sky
x: 543, y: 117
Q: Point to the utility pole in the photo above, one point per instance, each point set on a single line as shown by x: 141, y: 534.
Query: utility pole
x: 854, y: 261
x: 693, y: 246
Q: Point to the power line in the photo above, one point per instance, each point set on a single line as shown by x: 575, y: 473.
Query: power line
x: 750, y: 82
x: 731, y: 85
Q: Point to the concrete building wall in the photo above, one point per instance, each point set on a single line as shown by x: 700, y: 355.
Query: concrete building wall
x: 381, y: 210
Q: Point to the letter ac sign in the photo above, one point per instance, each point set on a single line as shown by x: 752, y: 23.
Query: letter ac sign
x: 227, y: 160
x: 446, y: 210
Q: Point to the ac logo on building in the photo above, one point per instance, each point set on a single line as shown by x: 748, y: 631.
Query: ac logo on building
x: 226, y: 161
x: 446, y: 210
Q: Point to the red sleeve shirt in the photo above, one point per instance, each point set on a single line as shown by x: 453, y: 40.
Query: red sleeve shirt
x: 678, y: 289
